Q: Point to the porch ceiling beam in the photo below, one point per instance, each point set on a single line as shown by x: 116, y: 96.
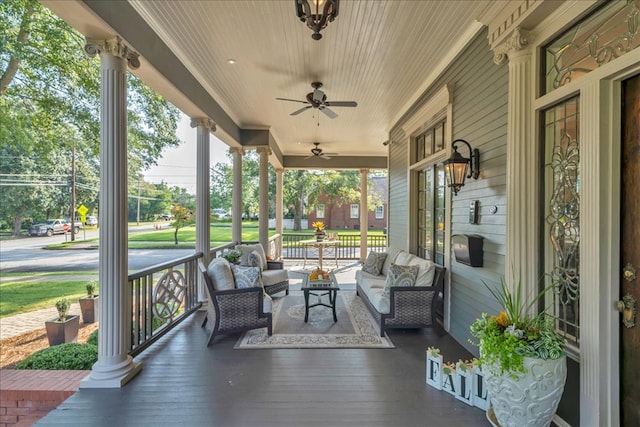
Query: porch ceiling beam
x: 338, y: 162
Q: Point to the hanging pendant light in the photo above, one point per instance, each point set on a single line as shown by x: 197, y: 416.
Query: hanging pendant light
x: 317, y: 14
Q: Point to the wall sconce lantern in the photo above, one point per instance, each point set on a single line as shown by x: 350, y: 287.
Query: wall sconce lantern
x: 317, y: 15
x: 455, y: 167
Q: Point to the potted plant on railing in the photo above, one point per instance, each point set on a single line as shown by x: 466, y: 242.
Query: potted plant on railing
x: 65, y: 327
x: 232, y: 255
x: 319, y: 230
x: 89, y: 304
x: 524, y: 361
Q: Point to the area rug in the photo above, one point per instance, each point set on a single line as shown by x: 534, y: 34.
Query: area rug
x: 355, y: 327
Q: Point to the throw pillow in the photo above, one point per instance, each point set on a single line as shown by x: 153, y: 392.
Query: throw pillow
x: 246, y: 277
x: 400, y: 275
x: 255, y: 260
x: 373, y: 263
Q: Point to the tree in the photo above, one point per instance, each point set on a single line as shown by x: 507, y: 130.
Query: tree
x: 49, y: 101
x: 182, y: 217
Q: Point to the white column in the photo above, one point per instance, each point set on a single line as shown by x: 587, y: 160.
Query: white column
x: 263, y: 218
x: 236, y: 205
x: 114, y: 366
x: 203, y: 193
x: 279, y: 206
x: 364, y: 214
x: 522, y: 167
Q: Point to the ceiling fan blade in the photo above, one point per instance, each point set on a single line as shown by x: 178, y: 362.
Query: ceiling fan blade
x: 325, y: 156
x: 341, y: 104
x: 331, y: 154
x: 308, y: 157
x: 295, y: 113
x: 328, y: 112
x: 292, y: 100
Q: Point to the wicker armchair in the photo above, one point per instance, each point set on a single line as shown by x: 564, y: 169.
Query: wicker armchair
x: 274, y: 276
x: 229, y: 309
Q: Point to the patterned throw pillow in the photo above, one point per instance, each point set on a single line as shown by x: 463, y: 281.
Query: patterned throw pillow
x: 246, y: 277
x: 373, y: 263
x: 400, y: 275
x: 255, y: 260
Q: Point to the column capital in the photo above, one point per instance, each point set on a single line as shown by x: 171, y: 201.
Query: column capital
x: 204, y: 122
x: 237, y: 150
x: 364, y: 170
x: 279, y: 170
x: 112, y: 46
x: 263, y: 149
x: 518, y: 41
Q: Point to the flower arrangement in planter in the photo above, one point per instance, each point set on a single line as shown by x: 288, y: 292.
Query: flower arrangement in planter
x: 232, y: 255
x: 89, y: 304
x: 319, y: 230
x: 64, y: 328
x: 520, y: 352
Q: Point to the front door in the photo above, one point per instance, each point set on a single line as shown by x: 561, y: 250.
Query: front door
x: 630, y: 250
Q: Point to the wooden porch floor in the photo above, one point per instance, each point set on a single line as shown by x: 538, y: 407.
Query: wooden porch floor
x: 184, y: 383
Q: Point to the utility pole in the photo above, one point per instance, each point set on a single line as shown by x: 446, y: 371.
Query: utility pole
x: 138, y: 216
x: 73, y: 192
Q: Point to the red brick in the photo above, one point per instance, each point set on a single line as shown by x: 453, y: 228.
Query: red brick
x: 18, y: 411
x: 8, y: 403
x: 8, y: 419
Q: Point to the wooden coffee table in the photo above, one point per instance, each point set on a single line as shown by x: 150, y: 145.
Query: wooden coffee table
x: 320, y: 288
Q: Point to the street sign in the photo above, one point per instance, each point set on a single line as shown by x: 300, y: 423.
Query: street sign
x: 82, y: 210
x: 83, y: 218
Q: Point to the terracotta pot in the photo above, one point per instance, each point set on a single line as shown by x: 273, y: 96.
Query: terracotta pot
x: 62, y: 332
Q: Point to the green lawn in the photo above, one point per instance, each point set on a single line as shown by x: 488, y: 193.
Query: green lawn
x: 23, y: 297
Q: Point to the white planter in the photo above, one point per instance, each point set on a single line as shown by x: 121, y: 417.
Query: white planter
x: 531, y: 399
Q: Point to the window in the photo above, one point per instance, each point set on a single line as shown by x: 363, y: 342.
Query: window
x: 320, y: 211
x: 561, y: 183
x: 429, y: 142
x: 355, y: 210
x: 605, y: 35
x: 379, y: 212
x: 431, y: 213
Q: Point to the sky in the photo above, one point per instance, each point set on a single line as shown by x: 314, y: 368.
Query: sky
x: 177, y: 167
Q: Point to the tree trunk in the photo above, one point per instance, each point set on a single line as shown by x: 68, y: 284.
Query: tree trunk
x: 297, y: 215
x: 17, y: 224
x: 14, y: 62
x: 175, y: 235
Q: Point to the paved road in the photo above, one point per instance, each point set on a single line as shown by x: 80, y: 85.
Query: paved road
x: 28, y: 255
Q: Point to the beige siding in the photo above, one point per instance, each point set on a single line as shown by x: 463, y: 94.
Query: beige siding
x: 479, y: 115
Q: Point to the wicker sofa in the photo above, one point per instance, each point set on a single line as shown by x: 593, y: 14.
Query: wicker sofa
x: 418, y: 306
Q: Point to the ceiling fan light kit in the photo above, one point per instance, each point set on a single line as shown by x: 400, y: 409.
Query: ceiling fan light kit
x: 317, y: 14
x: 317, y: 152
x: 318, y: 99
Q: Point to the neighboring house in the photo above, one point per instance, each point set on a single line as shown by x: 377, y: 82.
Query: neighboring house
x: 341, y: 214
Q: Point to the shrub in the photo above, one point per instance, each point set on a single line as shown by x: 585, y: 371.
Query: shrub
x: 93, y: 338
x: 70, y: 356
x: 63, y: 305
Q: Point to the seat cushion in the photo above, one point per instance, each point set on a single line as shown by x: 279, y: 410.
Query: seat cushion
x: 400, y: 275
x: 368, y: 281
x: 267, y: 304
x: 273, y: 277
x: 373, y: 263
x: 246, y: 251
x: 220, y: 272
x: 246, y: 277
x: 392, y: 253
x: 379, y: 300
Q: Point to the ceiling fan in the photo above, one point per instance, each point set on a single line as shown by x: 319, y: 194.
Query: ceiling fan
x: 318, y: 99
x: 317, y: 152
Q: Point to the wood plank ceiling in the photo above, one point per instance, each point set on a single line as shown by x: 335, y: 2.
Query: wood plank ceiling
x: 377, y: 53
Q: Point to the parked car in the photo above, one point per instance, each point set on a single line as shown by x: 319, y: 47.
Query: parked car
x: 91, y: 220
x: 166, y: 217
x: 48, y: 228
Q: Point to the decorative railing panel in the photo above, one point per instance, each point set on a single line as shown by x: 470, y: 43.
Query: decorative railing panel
x: 161, y: 297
